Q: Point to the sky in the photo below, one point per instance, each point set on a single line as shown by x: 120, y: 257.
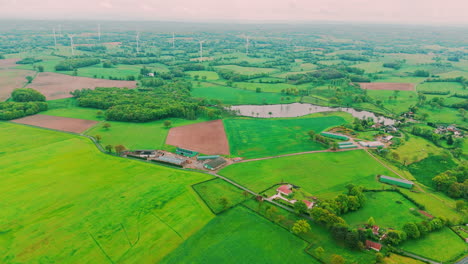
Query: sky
x: 371, y: 11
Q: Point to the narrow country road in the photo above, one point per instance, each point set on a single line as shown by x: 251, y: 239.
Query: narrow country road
x: 420, y: 258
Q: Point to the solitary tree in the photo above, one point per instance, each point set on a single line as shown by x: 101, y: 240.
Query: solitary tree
x: 371, y: 221
x: 119, y: 149
x: 98, y: 138
x: 29, y: 79
x: 106, y: 126
x: 337, y: 259
x: 300, y: 226
x: 99, y: 114
x: 224, y: 202
x: 460, y: 205
x: 300, y: 207
x: 109, y: 148
x: 40, y: 68
x: 319, y: 252
x: 167, y: 123
x: 335, y: 145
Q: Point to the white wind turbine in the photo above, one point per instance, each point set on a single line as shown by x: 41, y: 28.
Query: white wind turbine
x: 55, y: 39
x: 201, y: 41
x: 138, y: 42
x: 71, y: 45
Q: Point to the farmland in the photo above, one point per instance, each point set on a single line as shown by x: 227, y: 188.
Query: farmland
x: 245, y: 230
x: 214, y: 191
x: 389, y: 210
x: 322, y: 174
x: 124, y: 216
x: 130, y: 134
x: 59, y: 123
x: 253, y: 138
x: 453, y: 246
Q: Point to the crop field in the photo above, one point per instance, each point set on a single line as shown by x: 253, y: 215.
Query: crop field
x: 440, y: 87
x: 252, y: 138
x: 445, y: 239
x: 12, y: 79
x: 322, y: 174
x: 8, y: 63
x: 372, y: 67
x: 398, y: 259
x: 430, y: 167
x: 214, y: 190
x: 234, y: 96
x: 57, y: 86
x: 67, y: 124
x: 150, y: 135
x: 265, y: 87
x: 442, y: 115
x: 252, y: 239
x: 206, y: 137
x: 75, y: 204
x: 389, y: 210
x: 246, y: 70
x: 75, y: 112
x: 387, y: 86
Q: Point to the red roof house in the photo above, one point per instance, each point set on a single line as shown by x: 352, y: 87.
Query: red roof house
x: 284, y: 189
x: 308, y: 203
x: 375, y: 230
x: 373, y: 245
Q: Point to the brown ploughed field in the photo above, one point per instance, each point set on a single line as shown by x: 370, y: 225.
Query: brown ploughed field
x: 388, y: 86
x: 56, y: 122
x: 58, y: 86
x: 11, y: 79
x: 207, y: 137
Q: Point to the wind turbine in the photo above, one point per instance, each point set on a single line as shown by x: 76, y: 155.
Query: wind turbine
x: 55, y: 39
x: 247, y: 43
x: 173, y: 40
x: 71, y: 45
x: 99, y: 32
x: 201, y: 48
x: 137, y: 42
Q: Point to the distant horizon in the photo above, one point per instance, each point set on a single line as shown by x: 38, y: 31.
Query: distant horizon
x: 398, y: 12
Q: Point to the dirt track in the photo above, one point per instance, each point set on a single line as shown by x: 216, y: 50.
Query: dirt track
x: 388, y: 86
x: 58, y: 86
x: 207, y: 137
x: 55, y: 122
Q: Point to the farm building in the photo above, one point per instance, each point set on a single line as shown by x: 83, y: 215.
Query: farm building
x: 207, y: 157
x: 345, y: 143
x: 171, y: 160
x: 186, y: 152
x: 373, y: 245
x: 375, y: 230
x: 308, y: 203
x: 346, y: 146
x: 395, y: 181
x: 216, y: 163
x: 371, y: 144
x: 143, y: 153
x: 334, y: 136
x: 284, y: 189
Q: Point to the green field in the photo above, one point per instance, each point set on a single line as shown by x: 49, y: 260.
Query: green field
x: 150, y: 135
x: 73, y: 204
x: 389, y: 210
x: 445, y: 242
x: 214, y: 190
x: 235, y: 96
x: 210, y: 76
x: 246, y: 70
x: 241, y: 236
x: 322, y: 174
x: 252, y: 138
x: 440, y: 87
x: 404, y: 100
x: 430, y: 167
x: 416, y: 149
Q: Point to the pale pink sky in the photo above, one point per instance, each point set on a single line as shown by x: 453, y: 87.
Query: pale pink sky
x: 386, y: 11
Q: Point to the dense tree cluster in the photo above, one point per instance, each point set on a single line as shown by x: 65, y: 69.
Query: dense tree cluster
x: 98, y: 48
x: 353, y: 57
x: 453, y: 182
x: 28, y: 61
x: 13, y: 110
x: 394, y: 65
x: 169, y: 100
x: 71, y: 64
x: 413, y: 230
x: 27, y: 95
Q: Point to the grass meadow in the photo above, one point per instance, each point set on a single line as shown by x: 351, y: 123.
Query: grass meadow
x: 150, y: 135
x: 214, y: 190
x: 445, y: 242
x: 322, y: 174
x: 241, y: 236
x: 430, y: 167
x: 389, y: 209
x: 71, y: 203
x: 252, y: 138
x: 416, y: 149
x: 235, y: 96
x: 246, y: 70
